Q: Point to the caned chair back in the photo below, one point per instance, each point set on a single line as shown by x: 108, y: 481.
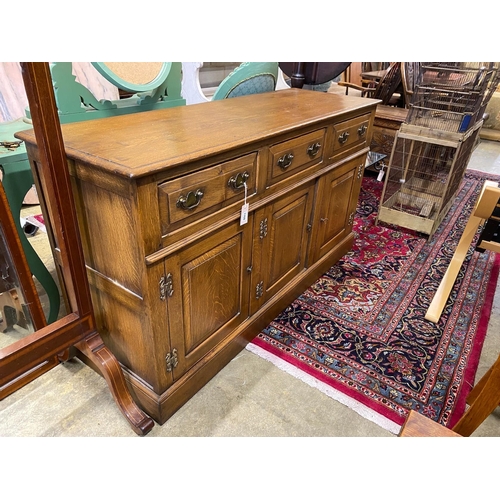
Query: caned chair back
x: 248, y: 78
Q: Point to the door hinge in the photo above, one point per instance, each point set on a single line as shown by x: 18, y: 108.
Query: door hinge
x: 166, y: 286
x: 259, y: 290
x: 263, y: 228
x: 171, y: 360
x: 351, y: 219
x: 360, y: 171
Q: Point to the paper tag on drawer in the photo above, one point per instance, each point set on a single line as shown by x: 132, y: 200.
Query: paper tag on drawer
x: 244, y: 214
x: 244, y: 208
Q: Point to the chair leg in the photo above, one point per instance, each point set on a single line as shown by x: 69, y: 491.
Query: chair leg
x: 483, y: 399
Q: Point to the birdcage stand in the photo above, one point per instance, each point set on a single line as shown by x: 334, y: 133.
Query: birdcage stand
x: 423, y: 176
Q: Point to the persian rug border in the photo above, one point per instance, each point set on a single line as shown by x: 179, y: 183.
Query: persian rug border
x: 326, y: 388
x: 364, y: 406
x: 482, y: 329
x: 377, y: 407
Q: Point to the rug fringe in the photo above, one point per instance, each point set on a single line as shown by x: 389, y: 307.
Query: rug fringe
x: 351, y: 403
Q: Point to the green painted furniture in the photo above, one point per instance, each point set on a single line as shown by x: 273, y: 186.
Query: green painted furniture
x: 17, y: 180
x: 248, y: 78
x: 162, y: 89
x: 76, y: 103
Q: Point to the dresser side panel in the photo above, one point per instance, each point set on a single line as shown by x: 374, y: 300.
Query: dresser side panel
x: 112, y: 239
x: 133, y: 328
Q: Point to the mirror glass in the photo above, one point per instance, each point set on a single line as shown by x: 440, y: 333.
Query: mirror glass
x: 15, y: 319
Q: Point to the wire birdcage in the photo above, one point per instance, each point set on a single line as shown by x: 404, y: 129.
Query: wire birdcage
x: 452, y: 96
x: 422, y: 179
x: 432, y: 148
x: 465, y: 76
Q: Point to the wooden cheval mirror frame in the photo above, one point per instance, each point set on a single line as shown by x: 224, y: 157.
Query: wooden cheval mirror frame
x: 24, y: 360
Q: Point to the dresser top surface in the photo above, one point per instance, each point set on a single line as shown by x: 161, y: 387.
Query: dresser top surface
x: 139, y: 144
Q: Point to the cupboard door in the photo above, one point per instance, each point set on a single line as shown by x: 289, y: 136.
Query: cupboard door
x: 281, y: 236
x: 208, y: 295
x: 336, y: 206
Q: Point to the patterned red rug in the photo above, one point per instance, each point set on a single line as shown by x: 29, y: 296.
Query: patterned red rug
x: 360, y: 333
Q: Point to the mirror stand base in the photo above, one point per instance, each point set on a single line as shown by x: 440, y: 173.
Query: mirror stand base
x: 101, y: 358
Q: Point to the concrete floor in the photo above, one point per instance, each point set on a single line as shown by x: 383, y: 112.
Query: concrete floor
x: 249, y: 397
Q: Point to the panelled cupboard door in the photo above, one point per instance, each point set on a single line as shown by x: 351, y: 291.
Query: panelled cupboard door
x: 207, y: 294
x: 281, y: 236
x: 336, y: 206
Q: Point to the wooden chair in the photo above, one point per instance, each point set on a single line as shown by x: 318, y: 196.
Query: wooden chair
x: 410, y: 77
x: 385, y: 90
x: 487, y: 202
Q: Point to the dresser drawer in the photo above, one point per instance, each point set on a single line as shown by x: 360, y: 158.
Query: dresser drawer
x: 289, y: 156
x: 206, y: 191
x: 350, y: 133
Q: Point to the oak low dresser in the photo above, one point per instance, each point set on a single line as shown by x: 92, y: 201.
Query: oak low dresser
x: 179, y: 284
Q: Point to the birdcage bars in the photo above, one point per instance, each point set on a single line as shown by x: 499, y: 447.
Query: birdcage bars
x: 466, y: 76
x: 422, y: 179
x: 452, y: 96
x: 445, y: 109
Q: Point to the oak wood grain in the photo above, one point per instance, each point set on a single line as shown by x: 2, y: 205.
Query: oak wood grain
x: 174, y: 289
x: 144, y: 143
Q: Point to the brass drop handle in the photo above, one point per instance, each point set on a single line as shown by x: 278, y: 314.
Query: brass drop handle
x: 191, y: 200
x: 362, y: 130
x: 238, y: 181
x: 343, y: 137
x: 313, y: 149
x: 285, y: 161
